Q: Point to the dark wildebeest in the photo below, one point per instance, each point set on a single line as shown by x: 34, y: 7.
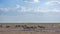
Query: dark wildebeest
x: 7, y: 26
x: 17, y: 26
x: 1, y: 25
x: 25, y: 27
x: 42, y: 27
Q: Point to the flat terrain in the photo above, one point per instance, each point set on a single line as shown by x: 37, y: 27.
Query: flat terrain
x: 37, y: 28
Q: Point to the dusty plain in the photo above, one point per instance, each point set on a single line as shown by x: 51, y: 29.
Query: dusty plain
x: 31, y: 28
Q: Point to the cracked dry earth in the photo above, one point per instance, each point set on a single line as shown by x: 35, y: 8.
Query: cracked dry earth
x: 37, y: 28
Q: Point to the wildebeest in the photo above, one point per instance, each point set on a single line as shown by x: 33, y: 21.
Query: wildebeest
x: 1, y: 25
x: 42, y: 27
x: 7, y: 26
x: 29, y: 27
x: 17, y: 26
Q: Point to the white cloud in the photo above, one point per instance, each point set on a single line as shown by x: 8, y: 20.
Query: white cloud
x: 17, y: 6
x: 32, y: 1
x: 5, y: 9
x: 56, y: 10
x: 50, y: 3
x: 35, y: 0
x: 20, y: 8
x: 44, y: 10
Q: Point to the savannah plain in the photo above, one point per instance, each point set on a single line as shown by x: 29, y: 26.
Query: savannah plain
x: 32, y: 28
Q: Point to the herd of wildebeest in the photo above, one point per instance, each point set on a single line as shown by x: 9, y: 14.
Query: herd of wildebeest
x: 24, y: 27
x: 32, y: 28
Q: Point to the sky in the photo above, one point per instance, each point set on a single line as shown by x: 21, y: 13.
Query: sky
x: 17, y: 11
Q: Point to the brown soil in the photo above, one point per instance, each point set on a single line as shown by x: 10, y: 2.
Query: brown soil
x: 18, y: 29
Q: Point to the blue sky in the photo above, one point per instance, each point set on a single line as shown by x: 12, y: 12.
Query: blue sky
x: 29, y: 11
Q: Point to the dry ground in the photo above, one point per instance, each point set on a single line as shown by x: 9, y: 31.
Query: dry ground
x: 13, y: 30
